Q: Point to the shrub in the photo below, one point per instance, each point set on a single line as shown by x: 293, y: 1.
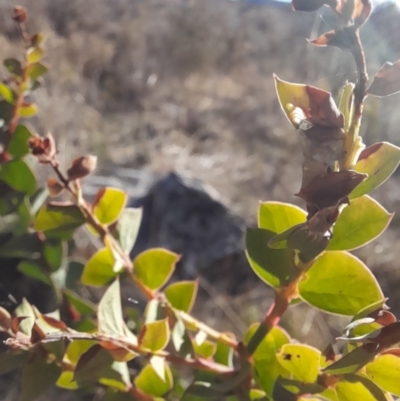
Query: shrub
x: 302, y: 254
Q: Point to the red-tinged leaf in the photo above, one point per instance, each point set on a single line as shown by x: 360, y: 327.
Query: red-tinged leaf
x: 81, y: 167
x: 387, y: 336
x: 311, y: 5
x: 386, y: 81
x: 306, y: 106
x: 379, y: 161
x: 331, y: 188
x: 339, y: 38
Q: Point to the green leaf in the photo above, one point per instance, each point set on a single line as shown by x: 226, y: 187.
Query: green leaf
x: 128, y: 228
x: 353, y: 361
x: 22, y: 246
x: 266, y: 364
x: 7, y: 93
x: 351, y: 391
x: 181, y: 295
x: 12, y: 360
x: 116, y: 376
x: 358, y: 224
x: 224, y: 354
x: 92, y: 363
x: 31, y: 269
x: 379, y: 161
x: 34, y: 55
x: 19, y: 144
x: 83, y: 306
x: 58, y: 221
x: 206, y: 349
x: 302, y: 361
x: 27, y: 111
x: 37, y: 377
x: 154, y: 267
x: 100, y: 269
x: 273, y: 266
x: 25, y: 310
x: 54, y: 252
x: 279, y: 216
x: 155, y: 336
x: 109, y: 204
x: 150, y: 382
x: 109, y: 314
x: 18, y: 176
x: 13, y: 66
x: 36, y: 70
x: 384, y: 370
x: 298, y: 387
x: 338, y: 282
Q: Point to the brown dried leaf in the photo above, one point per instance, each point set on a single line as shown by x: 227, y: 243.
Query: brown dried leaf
x: 58, y: 324
x: 43, y: 148
x: 312, y: 5
x: 19, y: 14
x: 331, y: 188
x: 81, y: 167
x: 386, y: 81
x: 55, y: 187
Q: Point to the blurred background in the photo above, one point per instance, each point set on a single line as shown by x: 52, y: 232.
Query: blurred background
x: 177, y: 99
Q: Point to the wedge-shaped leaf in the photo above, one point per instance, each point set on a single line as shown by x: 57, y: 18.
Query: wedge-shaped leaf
x: 154, y: 267
x: 116, y: 376
x: 279, y: 216
x: 352, y: 390
x: 58, y: 220
x: 109, y: 313
x: 273, y: 266
x: 386, y: 82
x: 305, y: 103
x: 154, y: 336
x: 34, y: 270
x: 27, y: 111
x: 18, y: 176
x: 354, y: 360
x: 108, y: 204
x: 182, y: 294
x: 37, y: 377
x: 34, y: 54
x: 91, y: 364
x: 19, y: 146
x: 385, y: 372
x: 7, y: 93
x: 358, y: 224
x: 13, y: 66
x: 379, y: 161
x: 25, y: 311
x: 100, y: 269
x: 266, y: 364
x: 54, y: 252
x: 206, y: 349
x: 338, y: 282
x: 36, y: 70
x: 128, y: 228
x: 302, y: 361
x: 150, y: 382
x: 82, y: 306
